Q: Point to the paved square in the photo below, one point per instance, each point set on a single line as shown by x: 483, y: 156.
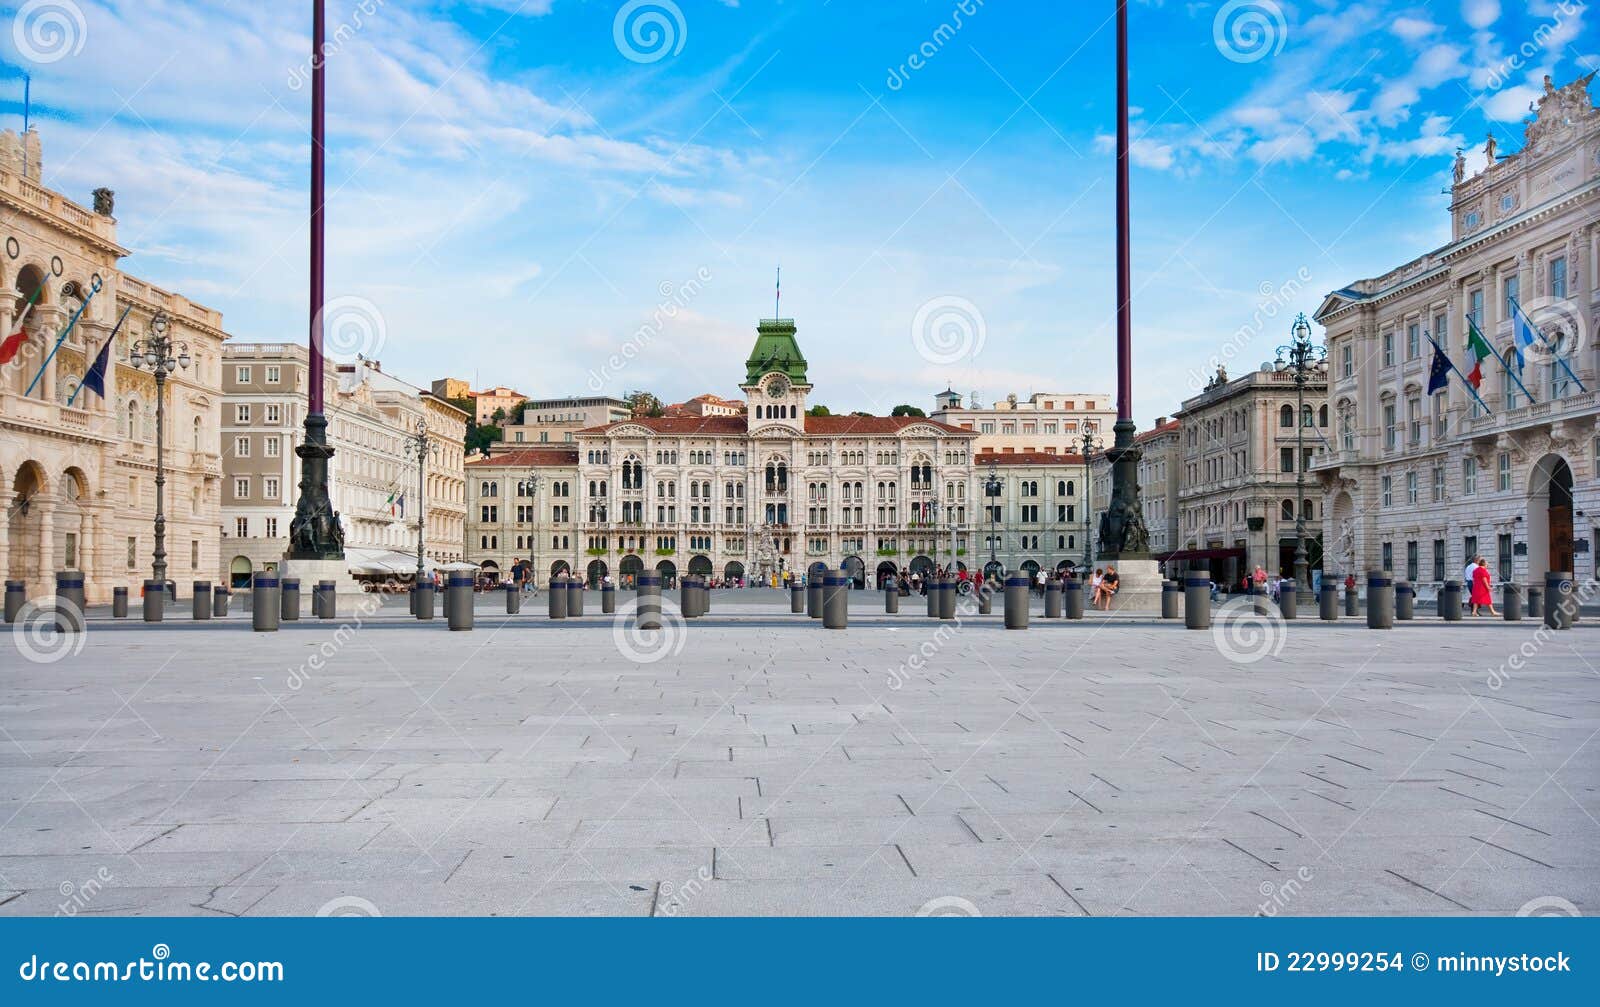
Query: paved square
x: 772, y: 767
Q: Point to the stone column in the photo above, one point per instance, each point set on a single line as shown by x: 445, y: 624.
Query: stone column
x: 45, y: 503
x: 5, y: 532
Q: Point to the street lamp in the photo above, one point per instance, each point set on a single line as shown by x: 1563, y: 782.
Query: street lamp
x: 163, y: 356
x: 991, y: 488
x: 418, y: 447
x: 1091, y: 444
x: 1306, y: 362
x: 529, y: 488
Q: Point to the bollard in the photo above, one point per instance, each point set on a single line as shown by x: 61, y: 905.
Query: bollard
x: 289, y: 599
x: 931, y: 583
x: 813, y: 596
x: 835, y: 599
x: 1511, y: 602
x: 1261, y: 600
x: 1560, y: 600
x: 1380, y: 599
x: 608, y: 599
x: 797, y: 598
x: 1016, y: 601
x: 647, y: 606
x: 69, y: 602
x: 155, y: 599
x: 688, y: 597
x: 1288, y: 602
x: 1072, y: 599
x: 16, y: 597
x: 891, y: 597
x: 219, y: 601
x: 119, y: 603
x: 513, y: 599
x: 705, y: 595
x: 422, y: 604
x: 985, y: 597
x: 1450, y: 601
x: 575, y: 588
x: 1171, y: 597
x: 1535, y: 602
x: 202, y: 600
x: 458, y: 601
x: 1352, y: 600
x: 1405, y: 602
x: 1052, y: 599
x: 1328, y: 602
x: 326, y: 595
x: 1197, y: 599
x: 557, y: 595
x: 263, y: 601
x: 947, y: 599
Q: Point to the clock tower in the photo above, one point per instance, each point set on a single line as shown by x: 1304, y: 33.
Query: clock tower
x: 775, y: 385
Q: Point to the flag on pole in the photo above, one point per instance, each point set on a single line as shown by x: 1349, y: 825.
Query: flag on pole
x: 95, y: 380
x: 13, y: 343
x: 402, y: 504
x: 1480, y: 349
x: 1522, y: 332
x: 1439, y: 373
x: 390, y: 502
x: 1527, y: 332
x: 95, y: 289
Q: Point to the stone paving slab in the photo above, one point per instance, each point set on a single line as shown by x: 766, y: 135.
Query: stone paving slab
x: 753, y: 763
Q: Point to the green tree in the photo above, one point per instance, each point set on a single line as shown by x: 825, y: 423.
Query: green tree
x: 643, y: 403
x: 818, y: 410
x: 904, y: 410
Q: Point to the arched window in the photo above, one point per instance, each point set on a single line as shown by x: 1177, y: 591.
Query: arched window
x: 1287, y: 510
x: 1306, y: 416
x: 1322, y: 415
x: 1286, y: 416
x: 197, y: 435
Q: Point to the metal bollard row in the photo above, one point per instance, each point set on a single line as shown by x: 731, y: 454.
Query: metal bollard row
x: 264, y: 602
x: 1450, y: 601
x: 835, y: 599
x: 155, y: 601
x: 1171, y: 598
x: 1016, y: 602
x: 458, y: 602
x: 1288, y: 600
x: 69, y: 601
x: 1052, y: 599
x: 608, y: 599
x: 119, y: 603
x: 1405, y: 602
x: 1560, y: 600
x: 289, y: 599
x: 556, y: 601
x: 647, y: 605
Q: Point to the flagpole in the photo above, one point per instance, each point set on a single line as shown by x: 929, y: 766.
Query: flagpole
x: 1463, y: 377
x: 1502, y: 361
x: 62, y: 338
x: 74, y: 396
x: 1517, y: 307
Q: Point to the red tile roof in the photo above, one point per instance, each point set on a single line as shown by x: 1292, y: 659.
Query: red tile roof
x: 1157, y: 431
x: 537, y: 457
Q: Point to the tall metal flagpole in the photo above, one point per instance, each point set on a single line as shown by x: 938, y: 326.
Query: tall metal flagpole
x: 314, y: 533
x: 1123, y: 535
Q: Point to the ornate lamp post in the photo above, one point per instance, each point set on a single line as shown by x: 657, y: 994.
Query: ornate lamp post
x: 1307, y: 362
x: 529, y: 487
x: 163, y: 356
x: 1091, y: 444
x: 991, y: 489
x: 418, y: 447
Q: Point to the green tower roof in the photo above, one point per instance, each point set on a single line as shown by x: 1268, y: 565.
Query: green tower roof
x: 776, y: 350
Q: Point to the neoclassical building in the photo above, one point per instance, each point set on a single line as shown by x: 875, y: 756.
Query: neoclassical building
x: 748, y: 496
x: 1416, y: 483
x: 78, y: 473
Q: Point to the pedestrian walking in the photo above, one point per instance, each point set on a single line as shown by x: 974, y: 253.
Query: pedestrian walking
x: 1482, y: 588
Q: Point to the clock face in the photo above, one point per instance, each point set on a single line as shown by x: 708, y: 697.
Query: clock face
x: 778, y: 388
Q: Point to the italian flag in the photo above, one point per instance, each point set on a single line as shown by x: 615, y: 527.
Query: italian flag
x: 1480, y: 349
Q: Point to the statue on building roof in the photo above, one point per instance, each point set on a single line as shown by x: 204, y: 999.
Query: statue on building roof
x: 1461, y: 165
x: 1489, y: 149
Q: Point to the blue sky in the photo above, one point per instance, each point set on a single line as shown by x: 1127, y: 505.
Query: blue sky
x: 514, y: 186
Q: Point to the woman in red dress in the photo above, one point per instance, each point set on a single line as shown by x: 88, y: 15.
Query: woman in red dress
x: 1482, y: 592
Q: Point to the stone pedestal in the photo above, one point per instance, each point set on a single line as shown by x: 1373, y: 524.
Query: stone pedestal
x: 1140, y: 590
x: 349, y: 599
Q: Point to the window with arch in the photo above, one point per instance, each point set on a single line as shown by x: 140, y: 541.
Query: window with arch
x: 1286, y: 416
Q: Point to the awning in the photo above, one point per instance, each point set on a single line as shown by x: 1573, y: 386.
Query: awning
x: 382, y: 562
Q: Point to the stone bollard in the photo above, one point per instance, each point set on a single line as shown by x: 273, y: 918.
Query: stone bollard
x: 1288, y: 602
x: 575, y: 588
x: 119, y: 603
x: 423, y: 602
x: 155, y: 598
x: 513, y: 599
x: 202, y: 600
x: 797, y: 598
x: 1052, y: 599
x: 891, y: 597
x: 1405, y: 602
x: 1016, y: 601
x: 1380, y: 599
x: 688, y: 597
x: 947, y: 599
x: 326, y: 595
x: 608, y: 599
x: 1072, y: 599
x: 705, y: 595
x: 814, y: 595
x: 1511, y: 602
x: 458, y: 601
x: 647, y: 604
x: 1171, y: 598
x: 1560, y: 600
x: 1352, y: 600
x: 69, y: 603
x: 16, y: 597
x: 219, y: 601
x: 289, y: 599
x: 932, y: 584
x: 556, y: 597
x: 1535, y: 602
x: 1197, y: 599
x: 1328, y: 602
x: 835, y: 600
x: 263, y: 602
x: 1450, y: 601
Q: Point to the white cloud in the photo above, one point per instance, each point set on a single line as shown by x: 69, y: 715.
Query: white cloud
x: 1480, y: 14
